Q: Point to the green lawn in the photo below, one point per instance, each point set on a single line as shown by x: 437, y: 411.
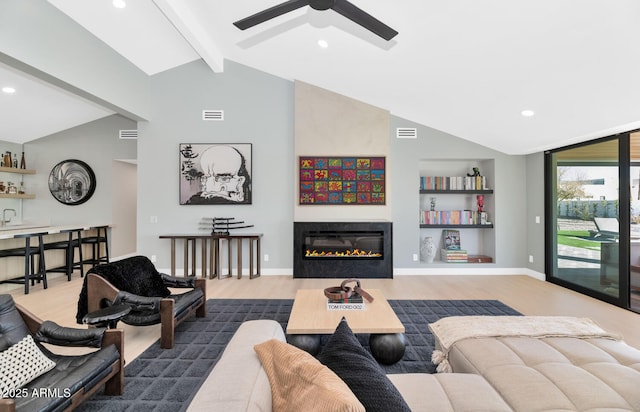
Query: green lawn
x: 575, y: 238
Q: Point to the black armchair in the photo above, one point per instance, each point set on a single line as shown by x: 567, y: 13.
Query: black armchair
x: 136, y: 282
x: 73, y: 379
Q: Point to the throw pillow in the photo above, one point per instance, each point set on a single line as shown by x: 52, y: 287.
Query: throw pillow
x: 344, y: 355
x: 21, y: 363
x: 300, y: 383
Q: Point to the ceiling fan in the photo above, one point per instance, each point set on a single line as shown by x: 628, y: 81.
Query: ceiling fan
x: 343, y: 7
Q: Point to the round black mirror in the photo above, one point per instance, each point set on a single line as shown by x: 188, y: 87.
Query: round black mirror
x: 72, y: 182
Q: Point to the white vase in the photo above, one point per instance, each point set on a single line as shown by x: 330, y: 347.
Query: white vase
x: 427, y: 250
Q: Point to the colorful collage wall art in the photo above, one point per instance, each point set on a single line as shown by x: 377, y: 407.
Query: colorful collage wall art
x: 342, y: 180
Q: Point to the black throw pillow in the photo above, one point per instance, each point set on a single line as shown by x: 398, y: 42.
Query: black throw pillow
x: 346, y: 357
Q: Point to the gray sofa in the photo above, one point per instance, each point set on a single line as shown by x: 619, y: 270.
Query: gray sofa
x: 239, y: 383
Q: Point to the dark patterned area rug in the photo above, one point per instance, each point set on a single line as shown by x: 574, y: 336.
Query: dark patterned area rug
x: 167, y: 379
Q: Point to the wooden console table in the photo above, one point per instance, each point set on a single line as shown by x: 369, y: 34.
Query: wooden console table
x: 213, y: 251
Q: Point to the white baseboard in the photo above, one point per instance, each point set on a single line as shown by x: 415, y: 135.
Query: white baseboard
x: 467, y: 271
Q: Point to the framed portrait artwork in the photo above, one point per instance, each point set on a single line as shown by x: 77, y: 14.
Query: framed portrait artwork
x: 215, y: 173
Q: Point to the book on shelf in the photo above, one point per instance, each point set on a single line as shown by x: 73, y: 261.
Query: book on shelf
x: 453, y: 217
x: 453, y: 256
x: 451, y: 239
x: 453, y: 183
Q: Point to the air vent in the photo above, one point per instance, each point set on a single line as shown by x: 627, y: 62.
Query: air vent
x: 128, y: 134
x: 406, y: 133
x: 213, y: 115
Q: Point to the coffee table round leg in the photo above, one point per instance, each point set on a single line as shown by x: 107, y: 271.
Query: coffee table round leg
x: 308, y: 343
x: 387, y: 348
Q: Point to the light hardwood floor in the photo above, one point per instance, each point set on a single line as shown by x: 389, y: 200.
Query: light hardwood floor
x: 523, y: 293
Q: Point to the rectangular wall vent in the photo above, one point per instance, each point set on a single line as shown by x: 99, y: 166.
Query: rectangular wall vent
x: 128, y: 134
x: 213, y: 115
x: 406, y: 133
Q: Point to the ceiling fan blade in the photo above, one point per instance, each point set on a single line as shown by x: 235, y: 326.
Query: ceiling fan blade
x: 364, y: 19
x: 270, y: 13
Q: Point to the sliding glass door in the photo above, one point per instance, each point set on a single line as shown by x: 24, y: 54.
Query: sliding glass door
x: 588, y: 229
x: 634, y: 232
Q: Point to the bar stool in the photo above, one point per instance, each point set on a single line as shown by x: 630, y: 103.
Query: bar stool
x: 95, y: 242
x: 69, y: 246
x: 28, y: 252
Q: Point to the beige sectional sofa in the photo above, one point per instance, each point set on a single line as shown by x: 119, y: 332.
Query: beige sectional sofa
x: 238, y: 382
x: 554, y: 366
x: 490, y: 373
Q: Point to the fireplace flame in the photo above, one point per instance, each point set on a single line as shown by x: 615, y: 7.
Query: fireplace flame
x: 342, y: 253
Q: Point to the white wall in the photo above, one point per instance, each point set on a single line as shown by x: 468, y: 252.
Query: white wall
x: 329, y: 124
x: 124, y: 207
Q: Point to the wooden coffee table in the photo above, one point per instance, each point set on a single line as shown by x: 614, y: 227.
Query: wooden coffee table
x: 310, y: 318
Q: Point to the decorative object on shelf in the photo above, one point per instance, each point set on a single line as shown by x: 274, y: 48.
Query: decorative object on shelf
x: 72, y: 182
x: 11, y: 188
x: 7, y: 159
x: 215, y: 174
x: 427, y: 250
x: 21, y: 189
x: 222, y: 225
x: 476, y: 172
x: 23, y: 162
x: 480, y: 199
x: 15, y: 161
x: 353, y: 180
x: 479, y: 259
x: 451, y: 239
x: 432, y: 203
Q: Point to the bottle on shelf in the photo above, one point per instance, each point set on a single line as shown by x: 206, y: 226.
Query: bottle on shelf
x: 15, y: 161
x: 7, y: 159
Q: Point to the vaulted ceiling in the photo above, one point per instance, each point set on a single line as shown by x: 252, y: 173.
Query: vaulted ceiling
x: 466, y: 67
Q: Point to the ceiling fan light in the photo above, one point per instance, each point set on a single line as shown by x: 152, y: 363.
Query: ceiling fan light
x: 323, y: 44
x: 527, y: 113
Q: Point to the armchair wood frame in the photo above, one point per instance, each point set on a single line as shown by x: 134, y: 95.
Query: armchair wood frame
x: 98, y: 288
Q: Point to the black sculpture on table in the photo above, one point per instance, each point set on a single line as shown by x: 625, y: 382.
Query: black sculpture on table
x: 222, y: 225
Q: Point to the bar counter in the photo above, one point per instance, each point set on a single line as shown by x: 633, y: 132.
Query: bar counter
x: 13, y: 267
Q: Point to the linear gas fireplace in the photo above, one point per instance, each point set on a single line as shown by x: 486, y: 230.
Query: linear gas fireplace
x: 342, y: 250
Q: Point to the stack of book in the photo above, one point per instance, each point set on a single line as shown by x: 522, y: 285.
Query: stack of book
x: 355, y: 302
x: 453, y: 256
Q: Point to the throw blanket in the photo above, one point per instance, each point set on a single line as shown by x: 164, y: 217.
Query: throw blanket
x: 447, y: 331
x: 135, y: 275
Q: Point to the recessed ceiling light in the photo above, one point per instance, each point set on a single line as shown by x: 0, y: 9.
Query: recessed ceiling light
x: 527, y: 113
x: 323, y: 44
x: 8, y: 90
x: 119, y: 4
